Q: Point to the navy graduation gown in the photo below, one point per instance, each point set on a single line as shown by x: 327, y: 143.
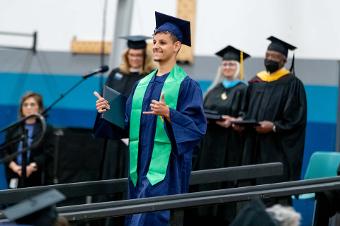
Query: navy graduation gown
x: 187, y: 127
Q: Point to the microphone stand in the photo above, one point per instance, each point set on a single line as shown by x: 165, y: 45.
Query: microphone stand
x: 22, y: 179
x: 84, y: 77
x: 63, y: 95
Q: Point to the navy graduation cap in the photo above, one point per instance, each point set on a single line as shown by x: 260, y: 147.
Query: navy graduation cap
x: 38, y: 210
x: 231, y: 53
x: 136, y: 41
x: 279, y: 46
x: 178, y: 27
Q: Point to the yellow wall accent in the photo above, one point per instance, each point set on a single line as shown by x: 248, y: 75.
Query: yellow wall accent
x: 90, y: 47
x: 186, y: 9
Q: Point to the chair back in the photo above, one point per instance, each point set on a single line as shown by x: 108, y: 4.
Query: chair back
x: 323, y: 164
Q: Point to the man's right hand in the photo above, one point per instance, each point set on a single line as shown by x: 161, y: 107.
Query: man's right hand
x: 102, y: 105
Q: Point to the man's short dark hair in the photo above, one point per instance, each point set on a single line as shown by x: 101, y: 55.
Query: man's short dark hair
x: 172, y: 36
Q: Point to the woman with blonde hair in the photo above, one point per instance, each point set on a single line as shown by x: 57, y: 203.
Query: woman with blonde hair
x: 136, y: 63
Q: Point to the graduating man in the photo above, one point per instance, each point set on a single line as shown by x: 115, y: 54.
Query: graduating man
x: 276, y: 99
x: 163, y: 128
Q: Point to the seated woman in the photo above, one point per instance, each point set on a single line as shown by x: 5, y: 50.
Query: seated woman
x: 31, y: 103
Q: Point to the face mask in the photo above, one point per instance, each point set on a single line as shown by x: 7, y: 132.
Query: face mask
x: 271, y: 65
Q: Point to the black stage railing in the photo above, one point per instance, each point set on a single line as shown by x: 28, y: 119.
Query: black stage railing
x: 106, y: 187
x: 176, y: 203
x: 181, y: 201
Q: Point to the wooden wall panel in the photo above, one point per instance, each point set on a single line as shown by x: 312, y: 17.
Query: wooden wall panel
x: 186, y: 9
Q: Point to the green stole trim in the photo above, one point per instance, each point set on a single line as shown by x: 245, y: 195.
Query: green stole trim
x: 162, y: 145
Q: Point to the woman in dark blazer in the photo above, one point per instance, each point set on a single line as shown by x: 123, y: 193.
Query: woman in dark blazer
x: 36, y: 158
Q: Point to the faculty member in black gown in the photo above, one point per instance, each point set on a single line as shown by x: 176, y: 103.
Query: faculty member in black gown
x: 136, y: 63
x: 222, y: 146
x: 276, y: 98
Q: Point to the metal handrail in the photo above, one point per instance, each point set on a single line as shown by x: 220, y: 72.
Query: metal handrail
x: 180, y: 201
x: 104, y: 187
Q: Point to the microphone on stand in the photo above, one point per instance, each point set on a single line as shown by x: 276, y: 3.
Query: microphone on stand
x: 102, y: 69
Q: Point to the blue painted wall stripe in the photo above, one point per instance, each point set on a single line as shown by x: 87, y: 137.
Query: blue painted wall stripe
x: 322, y: 100
x: 78, y: 109
x: 322, y: 103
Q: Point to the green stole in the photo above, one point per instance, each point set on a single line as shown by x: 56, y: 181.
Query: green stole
x: 162, y: 145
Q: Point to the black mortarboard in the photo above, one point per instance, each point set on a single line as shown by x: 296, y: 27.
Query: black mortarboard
x: 279, y: 46
x: 136, y: 41
x: 178, y: 27
x: 231, y: 53
x: 38, y: 210
x: 253, y: 214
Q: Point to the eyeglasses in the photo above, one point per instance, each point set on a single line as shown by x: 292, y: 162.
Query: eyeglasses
x: 135, y: 55
x: 29, y: 105
x: 228, y: 64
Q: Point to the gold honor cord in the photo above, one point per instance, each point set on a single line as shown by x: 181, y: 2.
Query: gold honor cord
x: 241, y: 66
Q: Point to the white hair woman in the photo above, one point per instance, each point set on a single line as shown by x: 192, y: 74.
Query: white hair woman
x: 221, y: 146
x: 284, y: 215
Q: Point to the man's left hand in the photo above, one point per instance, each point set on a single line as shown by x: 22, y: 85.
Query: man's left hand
x: 159, y: 108
x: 265, y: 127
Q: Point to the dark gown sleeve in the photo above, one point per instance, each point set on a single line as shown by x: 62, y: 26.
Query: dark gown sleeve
x: 291, y: 128
x: 110, y: 79
x: 105, y: 129
x: 241, y: 101
x: 295, y: 110
x: 11, y: 135
x: 206, y: 98
x: 188, y: 122
x: 244, y: 103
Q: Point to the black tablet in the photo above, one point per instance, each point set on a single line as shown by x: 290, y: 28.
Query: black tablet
x: 246, y: 123
x: 116, y: 114
x: 213, y: 115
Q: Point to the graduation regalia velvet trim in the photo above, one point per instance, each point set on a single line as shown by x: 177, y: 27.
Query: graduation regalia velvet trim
x: 266, y: 77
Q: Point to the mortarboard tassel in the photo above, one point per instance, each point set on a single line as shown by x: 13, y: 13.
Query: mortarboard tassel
x: 241, y: 66
x: 292, y: 68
